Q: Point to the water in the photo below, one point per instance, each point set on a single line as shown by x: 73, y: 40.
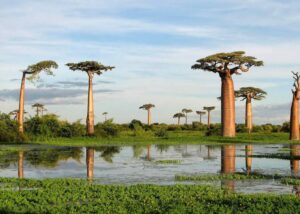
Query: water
x: 137, y: 164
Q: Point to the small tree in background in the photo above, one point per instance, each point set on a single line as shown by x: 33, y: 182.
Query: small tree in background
x: 148, y: 107
x: 208, y: 109
x: 200, y: 113
x: 91, y: 68
x: 249, y: 93
x: 178, y: 116
x: 39, y: 108
x: 186, y: 111
x: 105, y: 116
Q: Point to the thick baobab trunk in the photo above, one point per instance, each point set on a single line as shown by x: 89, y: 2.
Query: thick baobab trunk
x: 178, y: 122
x: 228, y: 107
x: 90, y: 112
x: 295, y: 151
x: 89, y: 163
x: 228, y: 165
x: 200, y: 119
x: 149, y: 117
x: 248, y: 116
x: 294, y: 120
x: 208, y: 119
x: 21, y: 105
x: 228, y: 159
x: 21, y: 164
x: 248, y: 159
x: 186, y: 118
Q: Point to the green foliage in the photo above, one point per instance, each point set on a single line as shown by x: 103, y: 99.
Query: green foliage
x: 211, y: 177
x: 82, y: 196
x: 107, y: 129
x: 9, y: 130
x: 134, y: 124
x: 291, y: 181
x: 89, y: 66
x: 162, y: 133
x: 214, y: 130
x: 168, y: 161
x: 35, y: 69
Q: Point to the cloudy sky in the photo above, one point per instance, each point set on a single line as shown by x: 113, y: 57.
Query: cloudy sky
x: 153, y: 45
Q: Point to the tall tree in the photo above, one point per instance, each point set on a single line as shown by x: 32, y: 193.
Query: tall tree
x: 208, y: 109
x: 227, y: 64
x: 91, y: 68
x: 148, y: 108
x: 38, y: 108
x: 186, y: 112
x: 105, y: 115
x: 294, y: 115
x: 32, y: 71
x: 200, y: 113
x: 15, y: 114
x: 249, y: 93
x: 178, y: 116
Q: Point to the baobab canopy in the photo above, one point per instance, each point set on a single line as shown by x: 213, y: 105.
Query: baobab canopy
x: 147, y: 106
x: 224, y: 62
x: 89, y: 66
x: 37, y: 68
x: 251, y: 92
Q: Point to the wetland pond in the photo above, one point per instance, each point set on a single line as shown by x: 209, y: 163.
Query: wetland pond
x: 156, y: 164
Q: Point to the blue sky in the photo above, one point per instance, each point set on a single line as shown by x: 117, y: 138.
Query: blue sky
x: 152, y: 44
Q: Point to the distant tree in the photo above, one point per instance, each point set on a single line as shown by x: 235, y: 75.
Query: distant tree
x: 294, y: 117
x: 208, y: 109
x: 15, y: 114
x: 178, y: 116
x: 186, y: 111
x: 38, y: 108
x: 91, y: 68
x: 105, y: 115
x: 249, y: 93
x: 33, y: 71
x: 227, y: 64
x: 200, y: 113
x: 148, y: 108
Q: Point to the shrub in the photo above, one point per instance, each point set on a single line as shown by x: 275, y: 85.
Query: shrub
x: 107, y: 129
x: 162, y: 133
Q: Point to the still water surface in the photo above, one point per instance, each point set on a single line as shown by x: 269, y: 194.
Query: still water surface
x: 138, y: 164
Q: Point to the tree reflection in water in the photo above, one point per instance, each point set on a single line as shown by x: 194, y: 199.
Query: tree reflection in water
x: 248, y: 158
x: 294, y: 162
x: 21, y: 164
x: 90, y: 162
x: 108, y: 152
x: 228, y: 165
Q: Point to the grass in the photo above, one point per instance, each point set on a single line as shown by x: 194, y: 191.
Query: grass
x: 82, y: 196
x: 174, y: 137
x: 233, y: 176
x: 168, y: 161
x: 291, y: 181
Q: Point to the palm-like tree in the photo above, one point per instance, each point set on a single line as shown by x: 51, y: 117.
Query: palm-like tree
x: 33, y: 71
x: 178, y: 116
x: 148, y: 108
x: 208, y: 109
x: 91, y: 68
x: 186, y: 111
x: 38, y: 108
x: 200, y: 113
x: 105, y: 115
x: 294, y: 117
x: 226, y: 65
x: 249, y: 93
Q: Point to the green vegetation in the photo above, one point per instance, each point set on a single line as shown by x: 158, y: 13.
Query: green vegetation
x: 291, y: 181
x: 81, y: 196
x: 49, y: 129
x: 233, y: 176
x: 168, y: 161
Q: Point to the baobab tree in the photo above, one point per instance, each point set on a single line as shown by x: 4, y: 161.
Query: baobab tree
x: 208, y: 109
x: 38, y: 108
x: 15, y: 114
x: 178, y: 116
x: 249, y: 93
x: 148, y: 108
x: 200, y: 113
x: 294, y: 115
x: 227, y: 64
x: 91, y: 68
x: 186, y: 111
x: 105, y: 116
x: 32, y: 72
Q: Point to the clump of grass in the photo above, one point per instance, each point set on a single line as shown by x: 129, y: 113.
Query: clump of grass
x: 168, y: 161
x: 290, y: 181
x: 233, y: 176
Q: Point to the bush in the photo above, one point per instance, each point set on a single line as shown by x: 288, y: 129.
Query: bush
x: 107, y: 129
x: 215, y: 130
x: 134, y: 124
x: 241, y: 128
x: 9, y: 130
x: 162, y: 133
